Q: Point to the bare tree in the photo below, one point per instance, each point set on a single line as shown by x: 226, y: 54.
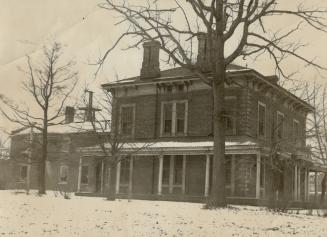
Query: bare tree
x: 317, y: 128
x: 4, y: 149
x: 219, y: 23
x: 114, y: 148
x: 50, y: 83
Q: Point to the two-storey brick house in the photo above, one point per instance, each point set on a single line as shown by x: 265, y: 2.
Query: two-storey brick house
x: 169, y: 114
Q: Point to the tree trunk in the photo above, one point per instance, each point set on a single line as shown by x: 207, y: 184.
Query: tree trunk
x: 217, y: 58
x: 217, y: 194
x: 112, y: 183
x: 44, y: 155
x: 323, y: 189
x: 42, y: 164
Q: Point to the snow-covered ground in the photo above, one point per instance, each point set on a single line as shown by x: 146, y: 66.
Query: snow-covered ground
x: 30, y: 215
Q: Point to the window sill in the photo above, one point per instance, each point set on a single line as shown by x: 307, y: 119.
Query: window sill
x: 170, y: 135
x: 63, y: 182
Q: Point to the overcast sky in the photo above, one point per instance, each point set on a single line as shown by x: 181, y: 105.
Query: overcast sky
x: 88, y: 30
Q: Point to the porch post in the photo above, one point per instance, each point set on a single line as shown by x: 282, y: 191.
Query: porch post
x: 305, y: 184
x: 316, y: 186
x: 79, y: 175
x: 295, y: 182
x: 183, y: 174
x: 171, y: 174
x: 130, y: 181
x: 28, y: 178
x: 299, y: 183
x: 118, y: 177
x: 257, y: 188
x: 102, y: 176
x: 160, y: 174
x: 207, y: 177
x: 232, y: 185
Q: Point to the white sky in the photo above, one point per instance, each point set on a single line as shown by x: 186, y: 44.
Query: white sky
x: 88, y: 30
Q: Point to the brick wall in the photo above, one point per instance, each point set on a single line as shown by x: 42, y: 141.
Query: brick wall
x: 148, y: 112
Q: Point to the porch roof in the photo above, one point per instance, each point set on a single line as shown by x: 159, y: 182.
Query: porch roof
x: 167, y: 147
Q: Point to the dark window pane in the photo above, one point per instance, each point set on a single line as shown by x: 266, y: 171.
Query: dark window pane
x: 180, y: 117
x: 85, y: 175
x: 168, y: 110
x: 166, y: 170
x: 63, y: 172
x: 124, y: 171
x: 180, y: 125
x: 167, y: 127
x: 280, y: 125
x: 229, y: 125
x: 23, y: 172
x: 127, y: 114
x: 262, y: 120
x: 178, y: 170
x: 228, y: 168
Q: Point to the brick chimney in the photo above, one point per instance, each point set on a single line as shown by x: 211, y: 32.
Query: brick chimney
x: 150, y: 65
x: 203, y: 58
x: 69, y: 114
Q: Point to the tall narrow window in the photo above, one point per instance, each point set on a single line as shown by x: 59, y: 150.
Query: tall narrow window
x: 63, y: 174
x: 166, y: 170
x: 180, y: 118
x: 296, y: 129
x: 261, y: 119
x: 167, y: 118
x: 23, y: 172
x: 174, y: 117
x: 124, y: 171
x: 127, y: 120
x: 178, y: 170
x: 229, y: 125
x: 280, y: 125
x: 296, y: 132
x: 85, y: 174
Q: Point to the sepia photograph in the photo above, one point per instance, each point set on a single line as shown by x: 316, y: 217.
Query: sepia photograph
x: 163, y: 118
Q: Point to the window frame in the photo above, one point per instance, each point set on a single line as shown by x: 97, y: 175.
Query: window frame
x: 124, y: 173
x: 264, y: 122
x: 120, y: 120
x: 233, y: 121
x: 20, y: 178
x: 296, y: 134
x: 87, y: 176
x: 173, y: 118
x: 283, y: 133
x: 61, y: 168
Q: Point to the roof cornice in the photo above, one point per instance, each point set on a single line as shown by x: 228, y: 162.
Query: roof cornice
x: 236, y: 73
